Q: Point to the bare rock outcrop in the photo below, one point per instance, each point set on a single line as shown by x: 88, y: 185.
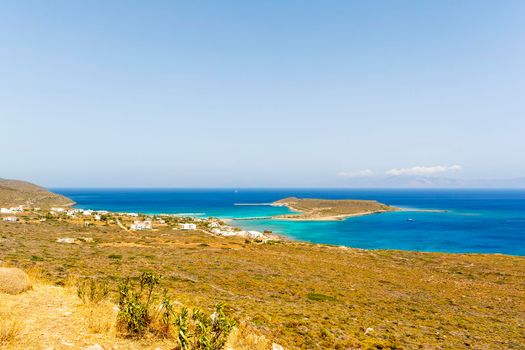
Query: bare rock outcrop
x: 13, y: 280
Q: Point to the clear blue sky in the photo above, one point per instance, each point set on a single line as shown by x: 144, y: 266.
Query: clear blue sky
x: 267, y: 93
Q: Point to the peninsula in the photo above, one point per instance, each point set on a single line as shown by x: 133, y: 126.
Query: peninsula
x: 311, y: 209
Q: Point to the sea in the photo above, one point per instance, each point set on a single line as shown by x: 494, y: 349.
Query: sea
x: 470, y: 221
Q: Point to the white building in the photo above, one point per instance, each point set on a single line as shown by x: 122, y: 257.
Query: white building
x: 66, y: 240
x: 226, y: 233
x: 10, y: 219
x: 97, y: 217
x: 11, y: 210
x: 73, y: 212
x: 188, y: 226
x: 58, y: 210
x: 141, y: 225
x: 255, y: 234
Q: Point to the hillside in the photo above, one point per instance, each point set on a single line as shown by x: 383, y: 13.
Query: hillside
x: 15, y: 192
x: 54, y: 317
x: 299, y: 295
x: 329, y: 209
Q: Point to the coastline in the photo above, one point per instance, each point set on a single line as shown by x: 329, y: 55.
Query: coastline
x: 327, y: 218
x: 296, y: 215
x: 274, y: 236
x: 420, y: 224
x: 219, y: 226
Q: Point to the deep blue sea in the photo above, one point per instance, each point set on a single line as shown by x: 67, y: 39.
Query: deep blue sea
x: 476, y: 221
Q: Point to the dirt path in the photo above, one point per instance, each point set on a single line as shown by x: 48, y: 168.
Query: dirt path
x: 53, y: 318
x: 47, y: 319
x: 121, y: 225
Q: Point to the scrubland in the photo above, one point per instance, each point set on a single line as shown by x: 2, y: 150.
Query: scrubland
x: 299, y: 295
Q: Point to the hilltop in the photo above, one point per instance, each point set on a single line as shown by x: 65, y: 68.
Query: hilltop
x: 15, y: 193
x: 330, y: 209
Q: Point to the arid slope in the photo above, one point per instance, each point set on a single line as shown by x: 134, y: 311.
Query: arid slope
x: 15, y: 192
x: 300, y: 295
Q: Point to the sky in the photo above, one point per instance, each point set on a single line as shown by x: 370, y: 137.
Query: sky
x: 260, y: 93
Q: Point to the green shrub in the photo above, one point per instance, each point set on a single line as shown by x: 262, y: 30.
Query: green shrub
x: 320, y: 297
x: 134, y: 305
x: 201, y: 331
x: 166, y: 315
x: 139, y: 314
x: 183, y: 334
x: 221, y: 326
x: 133, y: 313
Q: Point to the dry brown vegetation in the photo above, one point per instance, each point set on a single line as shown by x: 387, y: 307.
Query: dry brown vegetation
x: 300, y: 295
x: 330, y: 209
x: 9, y: 327
x: 52, y: 317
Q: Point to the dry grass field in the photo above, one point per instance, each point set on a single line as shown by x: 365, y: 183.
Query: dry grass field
x: 300, y: 295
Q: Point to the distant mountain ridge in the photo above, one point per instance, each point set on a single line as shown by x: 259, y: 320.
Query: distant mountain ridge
x: 16, y: 192
x: 434, y: 182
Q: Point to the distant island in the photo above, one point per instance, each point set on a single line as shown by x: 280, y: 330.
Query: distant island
x: 311, y: 209
x: 21, y: 193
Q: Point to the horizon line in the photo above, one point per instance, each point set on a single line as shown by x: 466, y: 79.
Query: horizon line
x: 274, y: 188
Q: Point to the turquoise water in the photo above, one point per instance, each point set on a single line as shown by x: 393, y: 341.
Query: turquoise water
x: 476, y: 221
